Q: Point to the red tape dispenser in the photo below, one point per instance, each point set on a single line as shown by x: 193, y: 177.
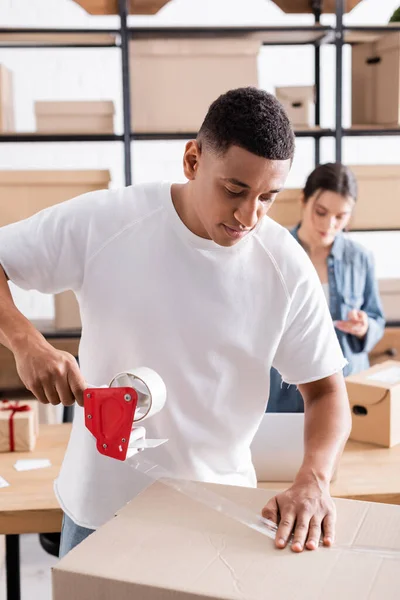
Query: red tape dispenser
x: 111, y: 413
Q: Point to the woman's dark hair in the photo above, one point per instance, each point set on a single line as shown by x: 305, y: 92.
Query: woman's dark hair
x: 332, y: 177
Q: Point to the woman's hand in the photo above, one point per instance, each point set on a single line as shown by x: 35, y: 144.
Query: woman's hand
x: 357, y: 324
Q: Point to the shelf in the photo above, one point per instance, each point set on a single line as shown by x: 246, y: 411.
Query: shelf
x: 59, y: 137
x: 365, y: 34
x: 313, y: 34
x: 370, y: 130
x: 58, y: 38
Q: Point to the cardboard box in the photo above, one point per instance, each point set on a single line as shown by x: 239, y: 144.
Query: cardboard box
x: 75, y: 117
x: 164, y: 545
x: 6, y: 100
x: 23, y: 193
x: 389, y: 290
x: 376, y: 82
x: 299, y: 104
x: 286, y: 210
x: 377, y: 205
x: 374, y: 396
x: 388, y: 347
x: 304, y: 6
x: 67, y: 314
x: 110, y: 7
x: 19, y: 425
x: 173, y: 81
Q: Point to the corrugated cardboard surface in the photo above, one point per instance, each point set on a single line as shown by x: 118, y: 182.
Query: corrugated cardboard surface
x: 23, y: 193
x: 75, y: 107
x: 387, y: 347
x: 389, y: 290
x: 286, y: 210
x: 75, y: 117
x: 378, y: 194
x: 298, y: 101
x: 304, y: 6
x: 381, y: 401
x: 210, y: 67
x: 110, y: 7
x: 67, y: 314
x: 164, y: 545
x: 25, y: 425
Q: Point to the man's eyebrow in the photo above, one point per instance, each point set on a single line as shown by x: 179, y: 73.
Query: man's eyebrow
x: 238, y: 183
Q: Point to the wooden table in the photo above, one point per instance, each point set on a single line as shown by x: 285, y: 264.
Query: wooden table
x: 366, y: 472
x: 29, y: 505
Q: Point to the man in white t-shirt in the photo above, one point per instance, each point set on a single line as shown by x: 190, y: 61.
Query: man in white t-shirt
x: 197, y: 283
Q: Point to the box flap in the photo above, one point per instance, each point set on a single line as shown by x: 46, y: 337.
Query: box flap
x: 166, y: 545
x: 34, y: 177
x: 102, y: 107
x: 230, y: 46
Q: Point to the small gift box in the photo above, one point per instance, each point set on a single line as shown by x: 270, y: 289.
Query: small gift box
x: 19, y: 425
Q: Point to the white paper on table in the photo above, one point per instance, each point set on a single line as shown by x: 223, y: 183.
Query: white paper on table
x: 390, y: 375
x: 3, y: 482
x: 30, y: 464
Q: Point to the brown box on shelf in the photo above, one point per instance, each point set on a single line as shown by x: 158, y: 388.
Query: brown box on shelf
x: 304, y: 6
x: 67, y: 315
x: 23, y: 193
x: 389, y: 290
x: 376, y: 82
x: 173, y: 81
x: 19, y: 425
x: 6, y: 100
x: 374, y: 396
x: 75, y: 117
x: 378, y: 194
x: 110, y: 7
x: 286, y: 209
x: 388, y: 347
x: 299, y: 103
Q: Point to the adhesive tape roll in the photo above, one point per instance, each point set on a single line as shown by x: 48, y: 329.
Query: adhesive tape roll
x: 150, y: 389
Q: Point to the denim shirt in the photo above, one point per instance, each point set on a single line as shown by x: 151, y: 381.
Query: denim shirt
x: 352, y: 285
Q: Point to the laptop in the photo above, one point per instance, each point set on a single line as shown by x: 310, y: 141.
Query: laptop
x: 278, y: 446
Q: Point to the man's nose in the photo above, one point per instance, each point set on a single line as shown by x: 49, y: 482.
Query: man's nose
x: 246, y: 213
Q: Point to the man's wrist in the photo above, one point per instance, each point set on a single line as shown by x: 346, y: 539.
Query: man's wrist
x: 310, y: 474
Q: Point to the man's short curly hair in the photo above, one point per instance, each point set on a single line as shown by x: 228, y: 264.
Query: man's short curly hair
x: 249, y: 118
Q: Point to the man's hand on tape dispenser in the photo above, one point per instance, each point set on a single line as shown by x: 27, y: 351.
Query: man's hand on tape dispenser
x: 53, y: 376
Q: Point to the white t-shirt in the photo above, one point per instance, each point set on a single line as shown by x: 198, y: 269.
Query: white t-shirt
x: 210, y: 320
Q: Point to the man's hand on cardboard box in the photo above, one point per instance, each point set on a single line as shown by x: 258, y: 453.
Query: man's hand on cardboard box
x: 305, y: 510
x: 53, y: 376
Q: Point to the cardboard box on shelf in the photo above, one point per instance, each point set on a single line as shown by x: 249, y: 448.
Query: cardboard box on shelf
x: 378, y: 192
x: 376, y: 82
x: 23, y: 193
x: 173, y: 81
x: 19, y: 425
x: 75, y: 117
x: 374, y: 396
x: 305, y: 6
x: 165, y: 545
x: 286, y: 209
x: 6, y: 100
x: 110, y: 7
x: 67, y: 315
x: 389, y: 290
x: 299, y: 103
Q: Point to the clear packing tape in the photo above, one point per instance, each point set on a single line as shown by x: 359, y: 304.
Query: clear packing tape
x: 196, y: 491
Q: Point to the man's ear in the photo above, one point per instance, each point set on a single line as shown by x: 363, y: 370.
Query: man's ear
x: 191, y: 159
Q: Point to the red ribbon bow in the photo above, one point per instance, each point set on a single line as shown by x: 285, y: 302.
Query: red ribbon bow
x: 14, y: 408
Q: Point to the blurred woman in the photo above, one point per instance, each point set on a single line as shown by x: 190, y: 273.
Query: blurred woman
x: 346, y: 271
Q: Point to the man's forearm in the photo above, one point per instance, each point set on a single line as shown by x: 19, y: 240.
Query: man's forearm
x: 327, y: 428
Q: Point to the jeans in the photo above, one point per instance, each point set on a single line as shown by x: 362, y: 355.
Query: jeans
x: 71, y: 535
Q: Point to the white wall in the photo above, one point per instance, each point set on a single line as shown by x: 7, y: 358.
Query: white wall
x: 95, y: 74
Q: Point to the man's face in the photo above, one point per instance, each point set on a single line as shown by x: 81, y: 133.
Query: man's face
x: 231, y: 193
